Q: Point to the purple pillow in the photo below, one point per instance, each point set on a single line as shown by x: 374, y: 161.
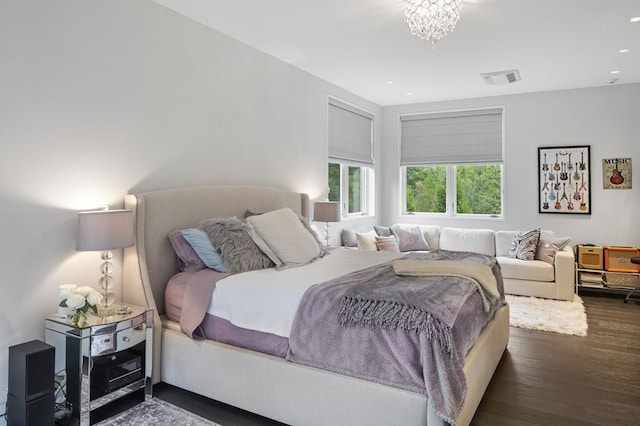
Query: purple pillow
x: 187, y: 259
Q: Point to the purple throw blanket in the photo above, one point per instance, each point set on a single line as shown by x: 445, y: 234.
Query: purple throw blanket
x: 422, y: 351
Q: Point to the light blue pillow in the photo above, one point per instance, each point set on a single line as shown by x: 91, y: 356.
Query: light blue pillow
x: 202, y: 246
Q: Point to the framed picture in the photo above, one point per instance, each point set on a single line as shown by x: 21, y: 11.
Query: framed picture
x: 616, y: 173
x: 564, y: 180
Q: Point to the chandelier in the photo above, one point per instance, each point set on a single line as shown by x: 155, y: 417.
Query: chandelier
x: 432, y: 19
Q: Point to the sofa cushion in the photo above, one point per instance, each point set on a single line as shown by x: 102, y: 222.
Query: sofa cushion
x: 473, y: 240
x: 532, y: 270
x: 503, y: 242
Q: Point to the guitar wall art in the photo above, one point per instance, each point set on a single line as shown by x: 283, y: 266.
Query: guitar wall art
x: 564, y: 180
x: 616, y: 173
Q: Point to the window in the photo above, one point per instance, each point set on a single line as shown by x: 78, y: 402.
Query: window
x: 452, y: 163
x: 350, y: 183
x: 350, y: 158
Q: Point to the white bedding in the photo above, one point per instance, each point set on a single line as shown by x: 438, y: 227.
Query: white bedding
x: 267, y: 300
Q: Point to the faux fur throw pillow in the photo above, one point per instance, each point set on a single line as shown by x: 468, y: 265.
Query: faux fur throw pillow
x: 524, y: 245
x: 238, y: 251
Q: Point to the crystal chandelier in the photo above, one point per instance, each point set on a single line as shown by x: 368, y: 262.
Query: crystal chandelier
x: 432, y: 19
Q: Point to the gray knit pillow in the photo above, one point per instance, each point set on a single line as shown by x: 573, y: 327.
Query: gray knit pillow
x: 238, y: 251
x: 524, y: 245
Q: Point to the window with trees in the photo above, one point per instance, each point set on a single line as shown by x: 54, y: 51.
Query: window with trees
x: 350, y: 165
x: 452, y: 163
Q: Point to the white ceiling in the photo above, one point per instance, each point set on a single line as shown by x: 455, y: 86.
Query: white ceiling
x: 360, y: 45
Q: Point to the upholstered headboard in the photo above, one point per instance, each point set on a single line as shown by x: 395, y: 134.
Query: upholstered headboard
x: 151, y: 262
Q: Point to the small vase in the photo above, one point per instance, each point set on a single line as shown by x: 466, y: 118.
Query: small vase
x: 79, y: 319
x: 63, y: 311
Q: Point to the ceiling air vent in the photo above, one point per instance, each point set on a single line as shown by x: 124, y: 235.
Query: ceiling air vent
x: 501, y: 77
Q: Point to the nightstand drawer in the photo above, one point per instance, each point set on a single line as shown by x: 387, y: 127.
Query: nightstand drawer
x: 102, y: 344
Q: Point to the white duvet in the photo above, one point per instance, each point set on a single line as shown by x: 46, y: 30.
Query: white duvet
x: 267, y: 300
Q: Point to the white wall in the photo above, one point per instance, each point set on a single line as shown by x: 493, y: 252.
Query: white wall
x: 605, y: 118
x: 101, y: 98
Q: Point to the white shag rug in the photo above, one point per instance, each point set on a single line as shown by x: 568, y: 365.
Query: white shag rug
x: 156, y: 412
x: 558, y: 316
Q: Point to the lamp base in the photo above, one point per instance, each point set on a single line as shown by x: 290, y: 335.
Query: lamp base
x: 327, y: 237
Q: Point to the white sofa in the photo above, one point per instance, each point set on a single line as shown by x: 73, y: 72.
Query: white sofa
x: 521, y: 277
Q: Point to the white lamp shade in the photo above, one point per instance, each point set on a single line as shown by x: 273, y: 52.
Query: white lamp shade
x: 105, y: 230
x: 326, y: 211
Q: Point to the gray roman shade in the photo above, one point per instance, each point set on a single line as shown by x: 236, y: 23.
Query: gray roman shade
x: 458, y: 137
x: 350, y: 133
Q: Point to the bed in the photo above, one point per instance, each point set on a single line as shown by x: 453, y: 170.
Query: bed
x: 257, y: 382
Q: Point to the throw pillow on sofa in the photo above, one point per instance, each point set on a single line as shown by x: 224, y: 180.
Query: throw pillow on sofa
x: 366, y: 240
x: 549, y: 246
x: 524, y: 245
x: 387, y: 243
x: 410, y: 238
x: 383, y: 231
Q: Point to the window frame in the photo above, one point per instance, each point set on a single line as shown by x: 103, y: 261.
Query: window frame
x: 451, y: 202
x: 451, y: 160
x: 367, y: 182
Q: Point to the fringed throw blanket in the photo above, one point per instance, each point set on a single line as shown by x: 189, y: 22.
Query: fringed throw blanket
x: 411, y: 332
x: 481, y: 275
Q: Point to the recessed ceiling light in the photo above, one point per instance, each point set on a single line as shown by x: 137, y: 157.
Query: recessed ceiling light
x: 409, y: 93
x: 615, y: 72
x: 635, y: 19
x: 389, y: 81
x: 623, y: 51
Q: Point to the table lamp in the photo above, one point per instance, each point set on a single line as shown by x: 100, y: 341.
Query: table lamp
x: 106, y: 230
x: 326, y: 211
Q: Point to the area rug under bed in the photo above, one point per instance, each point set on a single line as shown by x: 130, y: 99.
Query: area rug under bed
x: 557, y: 316
x: 156, y: 412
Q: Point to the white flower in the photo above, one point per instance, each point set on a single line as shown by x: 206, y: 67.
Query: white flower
x: 65, y: 291
x: 75, y: 300
x: 94, y: 298
x: 85, y: 290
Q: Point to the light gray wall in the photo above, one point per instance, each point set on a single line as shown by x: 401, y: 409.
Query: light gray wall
x: 100, y: 98
x: 605, y: 118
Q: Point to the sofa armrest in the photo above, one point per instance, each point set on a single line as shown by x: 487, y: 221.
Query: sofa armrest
x: 564, y: 265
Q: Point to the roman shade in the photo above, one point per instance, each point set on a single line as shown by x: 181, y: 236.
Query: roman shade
x: 457, y: 137
x: 350, y: 133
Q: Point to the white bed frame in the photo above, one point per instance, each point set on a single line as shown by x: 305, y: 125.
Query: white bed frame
x: 263, y: 384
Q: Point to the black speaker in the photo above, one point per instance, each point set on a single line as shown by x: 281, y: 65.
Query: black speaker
x: 35, y: 412
x: 31, y: 384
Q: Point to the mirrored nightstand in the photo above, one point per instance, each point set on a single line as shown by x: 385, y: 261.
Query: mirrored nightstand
x: 105, y: 359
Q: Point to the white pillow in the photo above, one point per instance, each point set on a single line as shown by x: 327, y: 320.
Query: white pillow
x: 367, y: 241
x: 285, y: 237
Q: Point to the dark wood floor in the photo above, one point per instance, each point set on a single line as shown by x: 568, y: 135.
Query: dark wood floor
x: 543, y: 378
